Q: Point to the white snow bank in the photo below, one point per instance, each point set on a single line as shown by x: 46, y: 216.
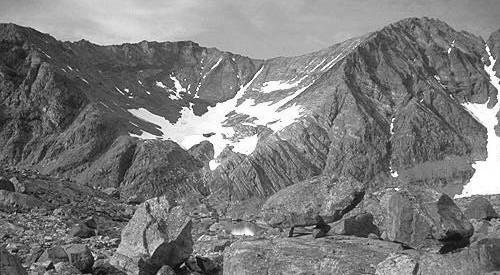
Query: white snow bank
x: 485, y: 181
x: 189, y: 129
x: 278, y: 85
x: 160, y: 84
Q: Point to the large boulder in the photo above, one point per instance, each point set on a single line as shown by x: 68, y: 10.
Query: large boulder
x: 13, y: 201
x: 419, y: 218
x: 10, y: 264
x: 301, y: 204
x: 480, y: 209
x: 158, y: 234
x: 481, y: 258
x: 78, y: 255
x: 303, y: 255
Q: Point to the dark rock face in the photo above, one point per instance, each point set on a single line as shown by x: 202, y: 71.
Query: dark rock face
x: 204, y: 151
x: 360, y: 225
x: 300, y: 204
x: 480, y: 209
x: 158, y: 234
x: 161, y: 167
x: 10, y: 264
x: 329, y: 255
x: 419, y: 218
x: 6, y: 185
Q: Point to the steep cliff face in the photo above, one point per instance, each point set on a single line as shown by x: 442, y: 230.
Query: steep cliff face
x: 393, y: 103
x: 390, y: 105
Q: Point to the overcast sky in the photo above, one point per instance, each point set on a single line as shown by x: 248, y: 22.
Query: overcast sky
x: 255, y: 28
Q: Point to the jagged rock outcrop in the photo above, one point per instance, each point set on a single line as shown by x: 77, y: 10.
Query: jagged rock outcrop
x: 203, y: 151
x: 158, y: 234
x: 161, y: 167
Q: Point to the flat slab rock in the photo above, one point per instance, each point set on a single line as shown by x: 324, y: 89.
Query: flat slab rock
x: 304, y: 255
x: 299, y: 204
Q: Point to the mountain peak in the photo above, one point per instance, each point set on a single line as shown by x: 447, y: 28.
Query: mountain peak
x: 19, y: 34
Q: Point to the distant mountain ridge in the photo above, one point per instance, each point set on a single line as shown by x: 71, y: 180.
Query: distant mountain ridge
x: 384, y: 105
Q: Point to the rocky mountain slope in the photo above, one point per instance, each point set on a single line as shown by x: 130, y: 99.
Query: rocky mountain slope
x: 385, y: 104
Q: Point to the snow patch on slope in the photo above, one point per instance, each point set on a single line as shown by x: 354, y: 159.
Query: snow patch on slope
x: 393, y: 172
x: 160, y: 84
x: 270, y: 114
x: 178, y: 89
x: 278, y: 85
x: 189, y: 129
x: 484, y: 181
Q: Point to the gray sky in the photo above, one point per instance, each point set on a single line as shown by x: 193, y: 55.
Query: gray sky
x: 255, y: 28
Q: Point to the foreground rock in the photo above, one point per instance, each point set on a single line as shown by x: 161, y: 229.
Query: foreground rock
x: 418, y: 218
x: 303, y: 204
x: 77, y: 255
x: 481, y: 258
x: 10, y: 264
x: 303, y: 255
x: 158, y: 234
